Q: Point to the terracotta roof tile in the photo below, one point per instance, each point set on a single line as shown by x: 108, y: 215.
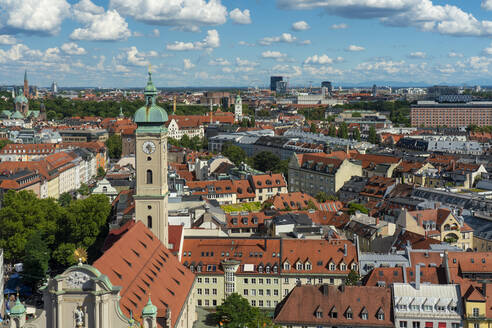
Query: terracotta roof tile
x: 141, y: 265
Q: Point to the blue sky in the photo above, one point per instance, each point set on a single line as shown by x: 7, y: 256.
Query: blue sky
x: 110, y: 43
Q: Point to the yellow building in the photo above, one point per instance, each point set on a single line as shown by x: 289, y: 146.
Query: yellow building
x: 475, y: 302
x: 439, y: 224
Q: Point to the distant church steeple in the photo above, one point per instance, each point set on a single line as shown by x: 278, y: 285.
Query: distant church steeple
x: 26, y: 85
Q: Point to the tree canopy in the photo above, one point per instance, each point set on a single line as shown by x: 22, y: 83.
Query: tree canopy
x: 236, y: 312
x: 80, y: 223
x: 115, y: 146
x: 236, y: 154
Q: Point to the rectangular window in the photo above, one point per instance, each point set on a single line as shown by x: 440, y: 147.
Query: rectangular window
x: 268, y: 292
x: 245, y: 280
x: 253, y: 292
x: 207, y: 291
x: 207, y: 303
x: 441, y: 325
x: 207, y: 280
x: 245, y: 292
x: 416, y: 324
x: 269, y: 281
x: 199, y: 302
x: 260, y: 280
x: 275, y: 292
x: 199, y: 291
x: 476, y: 312
x: 429, y: 324
x: 214, y: 291
x: 260, y: 303
x: 199, y: 280
x: 214, y: 280
x: 260, y: 292
x: 253, y: 302
x: 286, y: 280
x: 214, y: 302
x: 403, y: 324
x: 286, y: 291
x: 253, y: 280
x: 269, y: 303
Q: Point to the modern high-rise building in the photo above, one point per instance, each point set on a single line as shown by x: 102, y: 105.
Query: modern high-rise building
x: 54, y: 87
x: 238, y: 108
x: 327, y: 85
x: 374, y: 90
x: 282, y: 87
x: 274, y: 81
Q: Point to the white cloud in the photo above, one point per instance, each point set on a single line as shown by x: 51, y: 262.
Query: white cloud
x: 321, y: 59
x: 389, y: 67
x: 201, y: 75
x: 285, y: 37
x: 188, y: 64
x: 240, y: 17
x: 98, y: 24
x: 300, y: 26
x: 186, y: 14
x: 156, y: 32
x: 212, y: 40
x: 417, y: 54
x: 33, y: 16
x: 340, y: 26
x: 245, y: 62
x: 287, y: 70
x: 246, y: 44
x: 453, y: 54
x: 135, y: 58
x: 305, y: 42
x: 487, y: 4
x: 423, y: 14
x: 13, y: 54
x: 322, y: 71
x: 137, y: 34
x: 7, y: 39
x: 226, y: 70
x: 72, y: 48
x: 446, y: 69
x: 355, y: 48
x: 273, y: 54
x: 219, y: 62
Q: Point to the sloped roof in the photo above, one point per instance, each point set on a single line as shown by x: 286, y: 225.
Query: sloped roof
x: 433, y: 275
x: 140, y: 264
x: 300, y: 306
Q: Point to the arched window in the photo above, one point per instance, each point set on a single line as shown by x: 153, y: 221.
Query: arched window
x: 149, y: 176
x: 149, y: 222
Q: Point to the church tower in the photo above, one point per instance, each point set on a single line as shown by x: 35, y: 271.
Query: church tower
x: 26, y: 85
x: 151, y: 165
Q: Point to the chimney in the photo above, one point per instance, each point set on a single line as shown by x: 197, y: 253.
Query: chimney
x: 345, y: 250
x: 420, y: 220
x: 417, y: 277
x: 437, y: 205
x: 377, y: 221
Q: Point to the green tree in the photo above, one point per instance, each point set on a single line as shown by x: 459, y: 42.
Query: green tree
x: 114, y: 145
x: 312, y: 128
x: 63, y: 256
x: 265, y: 161
x: 195, y: 143
x: 321, y: 197
x: 100, y: 172
x: 343, y: 131
x: 356, y: 134
x: 352, y: 278
x: 356, y: 114
x: 65, y: 199
x: 185, y: 141
x: 311, y: 205
x: 51, y: 115
x: 4, y: 142
x: 332, y: 131
x: 236, y: 312
x: 84, y: 189
x: 236, y: 154
x: 35, y: 261
x: 373, y: 137
x: 353, y: 207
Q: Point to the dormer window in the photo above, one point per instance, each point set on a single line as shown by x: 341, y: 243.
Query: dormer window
x: 343, y: 267
x: 307, y: 266
x: 364, y: 314
x: 354, y: 266
x: 260, y: 268
x: 332, y: 266
x: 286, y: 266
x: 349, y: 314
x: 333, y: 313
x: 275, y: 269
x: 319, y: 313
x: 299, y: 266
x: 380, y: 314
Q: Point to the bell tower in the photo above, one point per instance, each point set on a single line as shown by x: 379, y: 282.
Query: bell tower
x: 151, y: 165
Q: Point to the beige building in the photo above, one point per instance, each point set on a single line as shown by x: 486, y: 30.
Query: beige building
x: 312, y: 173
x: 263, y: 270
x: 440, y: 224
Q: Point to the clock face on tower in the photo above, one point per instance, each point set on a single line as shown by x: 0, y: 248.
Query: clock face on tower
x: 148, y: 147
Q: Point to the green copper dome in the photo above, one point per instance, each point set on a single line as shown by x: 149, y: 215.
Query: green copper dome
x: 149, y: 309
x: 21, y: 99
x: 151, y: 113
x: 18, y: 309
x: 17, y: 115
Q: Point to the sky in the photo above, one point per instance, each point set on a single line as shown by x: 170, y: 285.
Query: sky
x: 111, y: 43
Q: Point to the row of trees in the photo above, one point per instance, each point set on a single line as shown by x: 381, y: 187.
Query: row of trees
x: 194, y: 143
x: 44, y: 233
x: 263, y: 161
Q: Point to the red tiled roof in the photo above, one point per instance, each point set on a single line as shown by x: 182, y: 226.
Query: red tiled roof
x: 243, y: 189
x: 141, y: 264
x: 320, y: 253
x: 29, y: 149
x: 302, y: 304
x: 274, y: 180
x: 416, y: 240
x: 432, y: 275
x: 115, y: 234
x: 209, y: 252
x: 436, y: 215
x: 238, y: 221
x: 220, y: 186
x: 175, y: 236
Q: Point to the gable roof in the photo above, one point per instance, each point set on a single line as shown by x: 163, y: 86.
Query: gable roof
x: 140, y: 264
x: 300, y: 306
